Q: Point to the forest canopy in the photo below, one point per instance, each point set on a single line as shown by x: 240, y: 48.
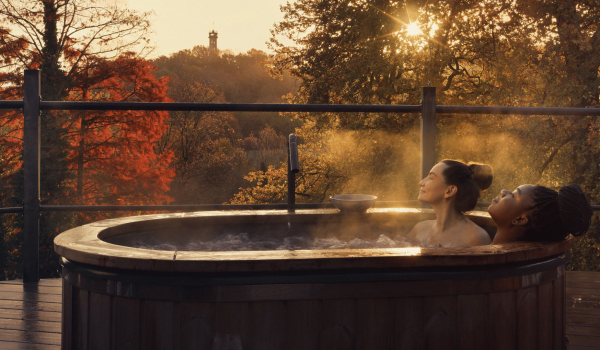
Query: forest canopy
x: 476, y: 53
x: 493, y: 52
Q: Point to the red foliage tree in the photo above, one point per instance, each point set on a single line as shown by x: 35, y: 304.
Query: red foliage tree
x: 87, y: 50
x: 112, y: 152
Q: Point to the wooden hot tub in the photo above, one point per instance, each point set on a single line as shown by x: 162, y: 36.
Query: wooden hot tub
x: 490, y: 297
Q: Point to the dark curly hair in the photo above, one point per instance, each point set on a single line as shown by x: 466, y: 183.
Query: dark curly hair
x: 556, y: 214
x: 470, y: 179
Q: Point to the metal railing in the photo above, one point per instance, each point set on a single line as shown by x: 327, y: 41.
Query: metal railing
x: 32, y: 105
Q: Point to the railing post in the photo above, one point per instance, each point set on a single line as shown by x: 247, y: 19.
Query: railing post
x: 427, y: 130
x: 31, y: 174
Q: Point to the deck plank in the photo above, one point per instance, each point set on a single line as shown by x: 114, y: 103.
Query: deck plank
x: 588, y: 285
x: 580, y: 275
x: 31, y: 325
x: 11, y: 345
x: 589, y: 297
x: 27, y: 296
x: 32, y: 289
x: 586, y: 330
x: 30, y: 313
x: 30, y: 305
x: 583, y: 310
x: 578, y: 290
x: 30, y: 337
x: 51, y: 282
x: 583, y: 340
x: 583, y: 321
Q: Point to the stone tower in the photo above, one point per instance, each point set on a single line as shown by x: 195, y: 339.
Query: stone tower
x: 212, y: 37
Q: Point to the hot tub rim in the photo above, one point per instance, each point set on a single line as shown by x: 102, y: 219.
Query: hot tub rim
x: 82, y: 245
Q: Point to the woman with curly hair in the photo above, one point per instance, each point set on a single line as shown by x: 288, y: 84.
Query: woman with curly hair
x: 538, y: 213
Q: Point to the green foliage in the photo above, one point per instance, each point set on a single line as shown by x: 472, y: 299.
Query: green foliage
x: 208, y: 158
x: 497, y: 52
x: 211, y: 155
x: 335, y: 161
x: 585, y: 255
x: 240, y: 78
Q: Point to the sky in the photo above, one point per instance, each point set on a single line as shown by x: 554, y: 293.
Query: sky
x: 182, y: 24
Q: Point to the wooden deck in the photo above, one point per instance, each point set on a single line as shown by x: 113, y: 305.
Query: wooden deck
x: 583, y: 310
x: 30, y: 313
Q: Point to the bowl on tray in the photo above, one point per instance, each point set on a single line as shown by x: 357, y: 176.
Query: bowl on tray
x: 355, y: 203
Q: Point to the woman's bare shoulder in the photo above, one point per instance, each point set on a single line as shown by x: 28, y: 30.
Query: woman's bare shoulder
x: 420, y: 227
x: 476, y: 235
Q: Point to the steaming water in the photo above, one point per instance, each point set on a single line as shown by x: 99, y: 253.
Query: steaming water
x: 242, y: 241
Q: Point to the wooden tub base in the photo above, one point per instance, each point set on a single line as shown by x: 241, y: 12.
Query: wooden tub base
x: 502, y: 307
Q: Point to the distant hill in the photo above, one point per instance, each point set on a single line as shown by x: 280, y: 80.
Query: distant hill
x: 240, y: 78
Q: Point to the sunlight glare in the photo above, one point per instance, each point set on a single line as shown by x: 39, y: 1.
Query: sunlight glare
x: 413, y: 29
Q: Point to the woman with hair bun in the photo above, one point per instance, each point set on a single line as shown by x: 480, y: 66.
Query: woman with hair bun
x: 538, y: 213
x: 452, y: 188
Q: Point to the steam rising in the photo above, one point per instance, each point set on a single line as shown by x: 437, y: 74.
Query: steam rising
x: 485, y: 141
x: 374, y: 162
x: 243, y: 242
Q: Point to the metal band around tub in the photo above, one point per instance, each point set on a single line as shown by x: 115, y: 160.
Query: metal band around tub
x: 293, y: 285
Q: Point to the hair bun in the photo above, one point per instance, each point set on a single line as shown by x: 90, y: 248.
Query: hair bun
x: 482, y: 174
x: 574, y: 209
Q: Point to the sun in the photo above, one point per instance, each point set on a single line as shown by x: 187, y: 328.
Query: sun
x: 413, y: 29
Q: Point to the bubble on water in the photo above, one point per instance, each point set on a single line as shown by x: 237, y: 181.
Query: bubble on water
x: 243, y: 242
x: 385, y: 242
x: 294, y: 243
x: 164, y: 246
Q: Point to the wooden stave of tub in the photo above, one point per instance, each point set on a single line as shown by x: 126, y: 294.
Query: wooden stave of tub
x: 388, y: 303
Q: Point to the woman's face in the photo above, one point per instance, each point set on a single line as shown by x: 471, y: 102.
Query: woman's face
x: 510, y: 206
x: 433, y: 186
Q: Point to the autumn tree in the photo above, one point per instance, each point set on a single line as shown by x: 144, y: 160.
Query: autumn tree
x: 334, y: 162
x: 493, y: 52
x: 208, y: 159
x: 496, y: 52
x: 240, y: 78
x: 269, y: 148
x: 87, y: 50
x: 112, y: 153
x: 540, y: 53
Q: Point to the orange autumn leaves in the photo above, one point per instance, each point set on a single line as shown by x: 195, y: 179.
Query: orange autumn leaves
x: 113, y: 153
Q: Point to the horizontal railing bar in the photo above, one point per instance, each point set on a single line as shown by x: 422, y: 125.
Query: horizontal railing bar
x: 275, y: 107
x: 11, y: 210
x: 207, y: 207
x: 200, y: 207
x: 11, y: 104
x: 517, y: 110
x: 225, y: 107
